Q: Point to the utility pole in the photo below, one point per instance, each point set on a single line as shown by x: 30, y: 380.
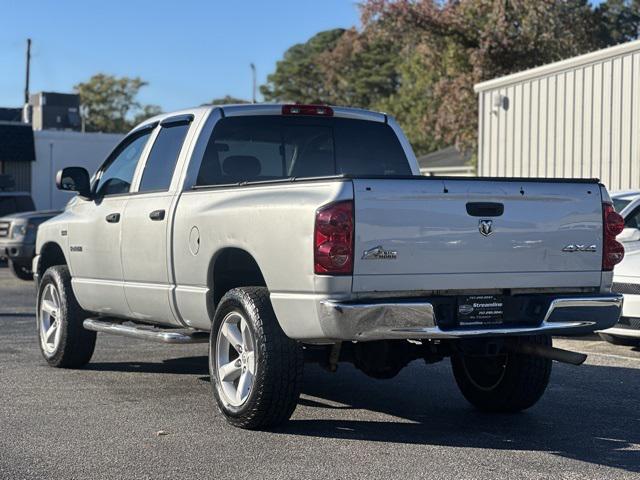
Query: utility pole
x: 26, y: 87
x: 253, y: 71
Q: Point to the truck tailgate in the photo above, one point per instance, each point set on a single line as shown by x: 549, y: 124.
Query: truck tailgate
x: 476, y: 234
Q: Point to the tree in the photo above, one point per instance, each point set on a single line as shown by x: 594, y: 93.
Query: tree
x: 298, y: 76
x: 226, y: 100
x: 146, y: 112
x: 464, y: 42
x: 419, y: 59
x: 359, y: 70
x: 618, y: 21
x: 111, y: 104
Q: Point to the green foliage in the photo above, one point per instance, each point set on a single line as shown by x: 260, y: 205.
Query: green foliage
x: 146, y: 112
x: 617, y: 21
x: 226, y: 100
x: 111, y: 104
x: 298, y: 77
x: 360, y: 70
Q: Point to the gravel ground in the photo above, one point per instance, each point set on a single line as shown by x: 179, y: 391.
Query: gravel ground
x: 103, y: 421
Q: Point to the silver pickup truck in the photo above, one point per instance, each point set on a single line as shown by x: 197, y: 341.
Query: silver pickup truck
x: 289, y: 233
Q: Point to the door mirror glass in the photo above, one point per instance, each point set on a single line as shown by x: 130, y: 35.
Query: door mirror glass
x: 74, y: 179
x: 629, y: 235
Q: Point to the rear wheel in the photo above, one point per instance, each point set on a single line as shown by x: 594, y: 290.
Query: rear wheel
x: 256, y: 370
x: 20, y: 270
x: 509, y: 382
x: 63, y: 340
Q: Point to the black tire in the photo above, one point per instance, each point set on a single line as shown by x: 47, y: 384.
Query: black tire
x: 622, y: 341
x: 75, y: 345
x: 23, y: 272
x: 279, y: 362
x: 506, y: 383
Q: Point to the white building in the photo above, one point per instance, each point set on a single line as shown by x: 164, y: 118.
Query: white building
x: 575, y: 118
x: 56, y: 149
x: 448, y: 161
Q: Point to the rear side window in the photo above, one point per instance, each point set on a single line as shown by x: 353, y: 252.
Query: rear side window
x: 274, y: 147
x: 161, y: 163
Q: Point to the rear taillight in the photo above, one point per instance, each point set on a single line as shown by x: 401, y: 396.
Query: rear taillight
x: 333, y: 239
x: 318, y: 110
x: 612, y: 250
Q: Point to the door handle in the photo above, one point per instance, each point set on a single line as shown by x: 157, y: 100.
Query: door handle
x: 113, y: 218
x: 157, y: 215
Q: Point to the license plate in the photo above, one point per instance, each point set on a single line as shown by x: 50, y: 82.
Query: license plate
x: 480, y: 310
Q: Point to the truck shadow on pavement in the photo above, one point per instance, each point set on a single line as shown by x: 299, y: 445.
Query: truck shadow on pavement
x: 181, y: 365
x: 590, y: 413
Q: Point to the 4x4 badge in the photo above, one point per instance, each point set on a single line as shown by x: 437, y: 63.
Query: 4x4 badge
x: 379, y: 253
x: 485, y: 227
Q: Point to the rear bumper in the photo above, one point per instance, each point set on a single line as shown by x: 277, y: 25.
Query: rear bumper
x: 566, y: 315
x: 622, y: 332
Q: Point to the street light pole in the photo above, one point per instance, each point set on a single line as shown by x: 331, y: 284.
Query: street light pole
x: 253, y: 71
x: 26, y: 85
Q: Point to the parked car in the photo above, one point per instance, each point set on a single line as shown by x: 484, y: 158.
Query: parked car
x: 279, y: 232
x: 18, y: 240
x: 626, y: 276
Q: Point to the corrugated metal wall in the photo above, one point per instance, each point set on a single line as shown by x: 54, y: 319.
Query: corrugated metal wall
x: 21, y: 172
x: 577, y: 118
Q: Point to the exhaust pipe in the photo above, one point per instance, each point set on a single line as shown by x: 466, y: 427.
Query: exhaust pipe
x: 552, y: 353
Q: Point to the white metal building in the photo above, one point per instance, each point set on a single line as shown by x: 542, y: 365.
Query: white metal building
x: 575, y: 118
x: 56, y: 149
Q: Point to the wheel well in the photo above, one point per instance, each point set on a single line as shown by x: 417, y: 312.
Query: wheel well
x: 232, y: 268
x: 50, y: 255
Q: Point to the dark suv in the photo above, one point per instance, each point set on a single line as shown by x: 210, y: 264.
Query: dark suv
x: 18, y: 226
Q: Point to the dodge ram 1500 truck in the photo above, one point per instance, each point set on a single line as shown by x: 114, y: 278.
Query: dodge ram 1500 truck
x: 285, y: 233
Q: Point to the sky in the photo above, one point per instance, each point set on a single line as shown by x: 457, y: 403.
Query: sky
x: 189, y: 51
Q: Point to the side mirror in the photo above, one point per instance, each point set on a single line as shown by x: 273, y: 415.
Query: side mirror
x: 629, y: 235
x: 74, y: 179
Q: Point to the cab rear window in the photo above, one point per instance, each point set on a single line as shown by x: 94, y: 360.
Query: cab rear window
x: 262, y: 148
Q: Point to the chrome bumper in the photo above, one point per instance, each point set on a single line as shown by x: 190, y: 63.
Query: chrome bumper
x: 408, y: 320
x: 621, y: 332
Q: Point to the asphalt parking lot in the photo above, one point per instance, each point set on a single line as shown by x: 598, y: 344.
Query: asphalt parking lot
x: 104, y: 421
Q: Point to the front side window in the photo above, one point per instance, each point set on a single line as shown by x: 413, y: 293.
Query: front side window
x: 116, y: 176
x: 260, y: 148
x: 161, y: 163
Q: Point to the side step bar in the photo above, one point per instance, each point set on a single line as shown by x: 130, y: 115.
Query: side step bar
x: 146, y: 332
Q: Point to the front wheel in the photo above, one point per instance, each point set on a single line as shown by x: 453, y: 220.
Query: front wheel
x: 509, y: 382
x: 63, y: 340
x: 256, y: 370
x: 23, y: 272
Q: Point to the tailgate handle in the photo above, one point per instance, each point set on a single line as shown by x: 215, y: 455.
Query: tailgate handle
x: 485, y: 209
